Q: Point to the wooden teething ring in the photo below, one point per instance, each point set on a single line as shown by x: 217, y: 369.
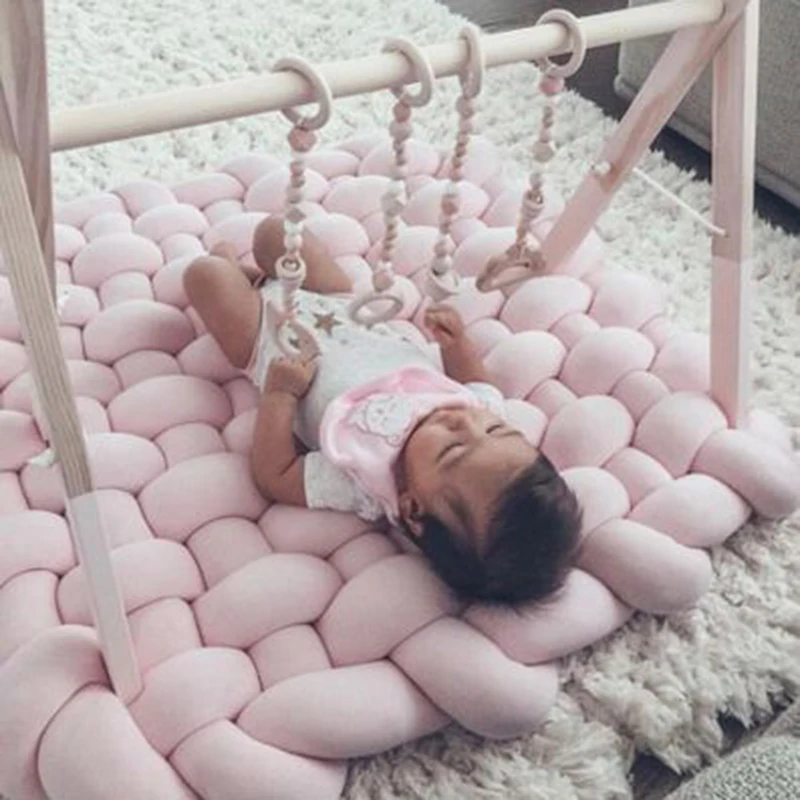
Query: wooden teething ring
x: 421, y: 66
x: 322, y: 94
x: 577, y: 41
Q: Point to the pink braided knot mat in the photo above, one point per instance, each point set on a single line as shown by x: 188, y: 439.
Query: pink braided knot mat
x: 278, y: 642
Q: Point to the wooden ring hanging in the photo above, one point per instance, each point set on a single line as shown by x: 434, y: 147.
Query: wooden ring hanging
x: 322, y: 93
x: 421, y: 66
x: 471, y: 77
x: 577, y: 41
x: 360, y: 309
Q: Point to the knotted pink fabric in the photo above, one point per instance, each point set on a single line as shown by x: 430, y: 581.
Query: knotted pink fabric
x: 277, y: 642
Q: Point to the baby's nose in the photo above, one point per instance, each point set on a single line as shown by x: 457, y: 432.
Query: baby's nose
x: 462, y: 419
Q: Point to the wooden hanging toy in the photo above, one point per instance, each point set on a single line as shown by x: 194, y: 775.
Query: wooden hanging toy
x: 293, y: 337
x: 523, y: 259
x: 520, y: 262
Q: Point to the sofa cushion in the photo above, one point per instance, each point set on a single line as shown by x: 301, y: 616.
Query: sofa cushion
x: 778, y: 157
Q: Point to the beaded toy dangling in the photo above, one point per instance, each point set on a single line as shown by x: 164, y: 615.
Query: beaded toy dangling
x: 523, y: 259
x: 443, y: 281
x: 393, y: 202
x: 290, y: 269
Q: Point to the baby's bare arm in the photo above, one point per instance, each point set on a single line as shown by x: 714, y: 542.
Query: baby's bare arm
x: 460, y: 357
x: 462, y: 362
x: 278, y: 467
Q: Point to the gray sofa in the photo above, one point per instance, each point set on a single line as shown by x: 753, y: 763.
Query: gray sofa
x: 778, y: 148
x: 766, y: 769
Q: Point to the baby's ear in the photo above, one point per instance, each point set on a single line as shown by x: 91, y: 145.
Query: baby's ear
x: 411, y: 514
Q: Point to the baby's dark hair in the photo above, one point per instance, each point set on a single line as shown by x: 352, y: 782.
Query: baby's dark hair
x: 533, y: 535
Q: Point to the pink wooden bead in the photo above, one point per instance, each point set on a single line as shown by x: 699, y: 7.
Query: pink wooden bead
x: 302, y: 140
x: 400, y: 131
x: 402, y: 112
x: 382, y: 280
x: 449, y: 205
x: 465, y: 107
x: 551, y: 85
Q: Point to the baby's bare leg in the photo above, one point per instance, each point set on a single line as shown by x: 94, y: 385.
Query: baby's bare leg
x: 228, y: 305
x: 323, y: 275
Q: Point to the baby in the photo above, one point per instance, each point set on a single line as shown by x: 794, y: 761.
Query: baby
x: 386, y: 434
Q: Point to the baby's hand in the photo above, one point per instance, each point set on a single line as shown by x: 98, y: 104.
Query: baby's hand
x: 290, y: 375
x: 445, y: 325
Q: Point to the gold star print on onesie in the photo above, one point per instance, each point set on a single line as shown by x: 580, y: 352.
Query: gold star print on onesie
x: 326, y: 322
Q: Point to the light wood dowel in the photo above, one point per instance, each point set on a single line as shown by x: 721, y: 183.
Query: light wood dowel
x: 182, y: 108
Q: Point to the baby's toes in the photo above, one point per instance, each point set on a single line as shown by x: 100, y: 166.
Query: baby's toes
x: 224, y: 250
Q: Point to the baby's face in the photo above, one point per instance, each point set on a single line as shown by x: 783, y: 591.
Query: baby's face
x: 457, y: 462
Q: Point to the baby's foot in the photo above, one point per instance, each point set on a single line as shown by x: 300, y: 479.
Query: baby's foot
x: 227, y: 251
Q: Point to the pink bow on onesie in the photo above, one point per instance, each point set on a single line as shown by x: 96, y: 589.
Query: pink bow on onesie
x: 363, y: 431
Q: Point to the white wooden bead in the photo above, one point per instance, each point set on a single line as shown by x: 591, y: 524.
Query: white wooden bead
x: 292, y: 241
x: 294, y: 194
x: 397, y: 189
x: 292, y: 228
x: 391, y: 206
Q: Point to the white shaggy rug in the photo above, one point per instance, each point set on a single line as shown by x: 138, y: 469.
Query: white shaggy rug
x: 658, y: 684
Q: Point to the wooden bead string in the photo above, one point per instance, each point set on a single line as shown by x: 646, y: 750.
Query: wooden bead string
x: 523, y: 259
x: 544, y: 150
x: 290, y: 268
x: 442, y: 281
x: 451, y: 199
x: 551, y: 85
x: 393, y: 201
